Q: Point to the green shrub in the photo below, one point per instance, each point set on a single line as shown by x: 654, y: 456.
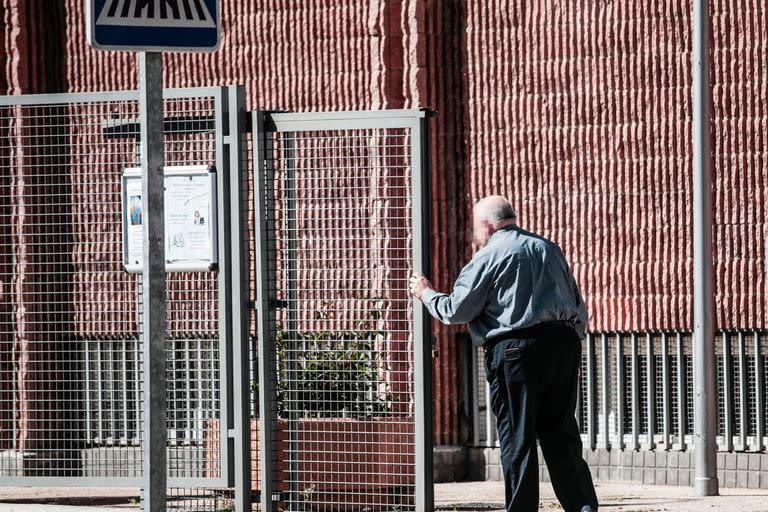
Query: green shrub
x: 332, y: 373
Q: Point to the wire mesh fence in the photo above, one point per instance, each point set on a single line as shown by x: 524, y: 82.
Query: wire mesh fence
x: 342, y: 323
x: 343, y: 363
x: 70, y: 351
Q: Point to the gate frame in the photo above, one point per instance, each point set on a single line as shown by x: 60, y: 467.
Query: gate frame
x: 415, y: 120
x: 234, y: 430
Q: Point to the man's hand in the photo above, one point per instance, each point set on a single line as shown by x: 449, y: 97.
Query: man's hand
x: 419, y: 284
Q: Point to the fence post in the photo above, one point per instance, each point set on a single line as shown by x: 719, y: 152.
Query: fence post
x: 264, y: 325
x: 239, y: 277
x: 422, y: 335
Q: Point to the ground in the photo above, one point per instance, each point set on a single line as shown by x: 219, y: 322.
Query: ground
x: 466, y: 496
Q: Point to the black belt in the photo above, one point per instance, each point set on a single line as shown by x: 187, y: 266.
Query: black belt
x: 533, y: 331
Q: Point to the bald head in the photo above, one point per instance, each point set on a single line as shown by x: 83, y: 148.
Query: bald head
x: 494, y: 209
x: 490, y: 214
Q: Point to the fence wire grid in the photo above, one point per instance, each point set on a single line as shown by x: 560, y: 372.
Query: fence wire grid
x: 342, y: 242
x: 70, y: 351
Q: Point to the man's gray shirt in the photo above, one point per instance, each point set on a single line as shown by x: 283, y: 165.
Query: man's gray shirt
x: 517, y: 280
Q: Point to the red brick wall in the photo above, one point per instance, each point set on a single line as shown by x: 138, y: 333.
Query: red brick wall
x: 579, y: 112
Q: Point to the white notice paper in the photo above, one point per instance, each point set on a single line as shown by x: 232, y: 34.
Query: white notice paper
x: 187, y: 218
x: 135, y: 243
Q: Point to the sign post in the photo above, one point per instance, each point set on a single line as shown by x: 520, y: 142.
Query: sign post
x: 151, y: 27
x: 153, y: 280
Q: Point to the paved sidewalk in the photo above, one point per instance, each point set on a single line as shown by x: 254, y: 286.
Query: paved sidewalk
x: 489, y: 496
x: 464, y: 496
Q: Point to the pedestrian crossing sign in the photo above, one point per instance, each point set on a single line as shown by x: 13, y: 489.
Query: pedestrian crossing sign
x: 154, y: 25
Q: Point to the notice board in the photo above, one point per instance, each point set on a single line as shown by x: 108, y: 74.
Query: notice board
x: 190, y: 219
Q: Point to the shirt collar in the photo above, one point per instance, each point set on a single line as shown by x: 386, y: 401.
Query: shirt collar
x: 510, y: 227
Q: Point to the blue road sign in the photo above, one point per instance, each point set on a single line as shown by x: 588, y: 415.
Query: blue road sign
x: 154, y: 25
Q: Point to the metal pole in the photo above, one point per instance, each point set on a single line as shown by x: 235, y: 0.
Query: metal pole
x: 422, y: 334
x: 267, y: 364
x: 239, y: 297
x: 705, y: 392
x: 153, y: 280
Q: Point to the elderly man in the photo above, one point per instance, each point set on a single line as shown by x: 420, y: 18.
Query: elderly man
x: 523, y: 306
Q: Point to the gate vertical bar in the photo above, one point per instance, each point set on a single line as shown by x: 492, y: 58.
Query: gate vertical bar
x: 605, y: 379
x: 667, y: 397
x: 620, y: 394
x: 153, y: 281
x: 759, y: 395
x: 682, y: 393
x: 223, y: 138
x: 422, y: 333
x: 727, y: 393
x: 650, y: 382
x: 239, y: 297
x: 591, y: 394
x: 705, y: 389
x: 266, y: 349
x: 743, y: 393
x: 635, y: 395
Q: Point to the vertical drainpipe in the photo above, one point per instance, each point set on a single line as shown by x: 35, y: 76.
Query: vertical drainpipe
x: 705, y: 443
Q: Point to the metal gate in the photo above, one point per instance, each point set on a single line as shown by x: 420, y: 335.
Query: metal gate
x: 70, y: 369
x: 344, y: 353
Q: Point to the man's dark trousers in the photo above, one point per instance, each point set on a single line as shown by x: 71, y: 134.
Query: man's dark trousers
x: 533, y: 379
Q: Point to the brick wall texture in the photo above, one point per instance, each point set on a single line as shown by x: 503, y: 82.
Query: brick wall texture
x: 579, y: 112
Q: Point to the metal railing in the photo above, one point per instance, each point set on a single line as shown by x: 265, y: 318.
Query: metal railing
x: 636, y: 391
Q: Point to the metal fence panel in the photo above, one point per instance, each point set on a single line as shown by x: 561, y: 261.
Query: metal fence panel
x: 646, y: 402
x: 342, y: 368
x: 70, y: 369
